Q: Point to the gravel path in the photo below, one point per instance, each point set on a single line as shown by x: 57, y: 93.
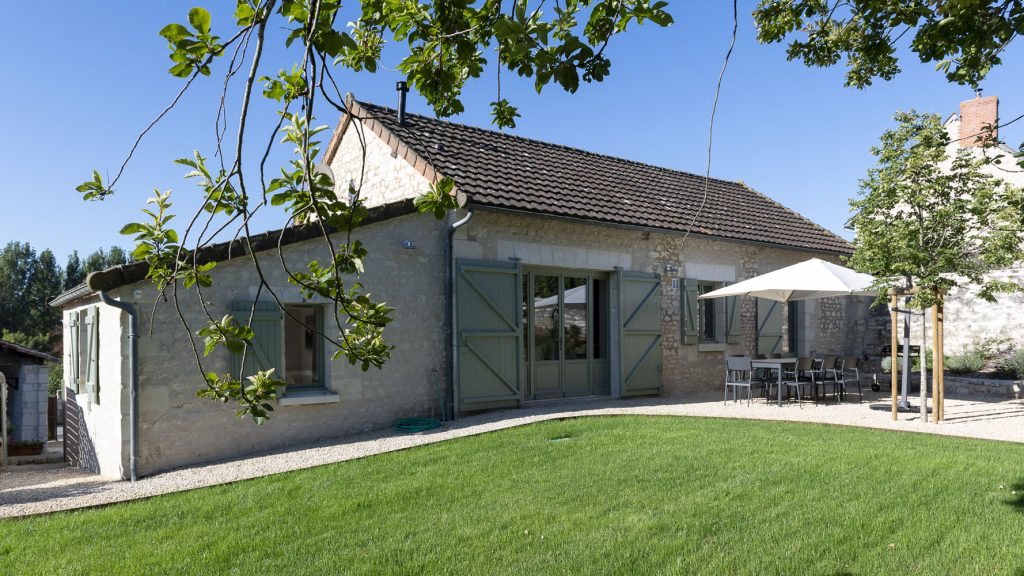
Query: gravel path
x: 29, y: 490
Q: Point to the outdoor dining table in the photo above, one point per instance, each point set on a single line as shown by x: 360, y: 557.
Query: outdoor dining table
x: 776, y: 364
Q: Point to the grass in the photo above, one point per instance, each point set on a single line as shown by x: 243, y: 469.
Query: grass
x: 608, y: 495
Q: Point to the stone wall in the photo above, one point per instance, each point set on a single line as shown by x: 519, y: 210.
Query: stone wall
x: 178, y: 428
x: 969, y: 319
x: 368, y: 164
x: 537, y: 241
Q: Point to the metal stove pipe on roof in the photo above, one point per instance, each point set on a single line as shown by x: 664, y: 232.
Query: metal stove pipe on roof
x: 403, y: 89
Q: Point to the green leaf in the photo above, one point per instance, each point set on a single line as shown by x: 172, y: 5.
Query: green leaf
x: 174, y: 33
x: 199, y: 18
x: 244, y: 13
x: 132, y: 228
x: 182, y: 70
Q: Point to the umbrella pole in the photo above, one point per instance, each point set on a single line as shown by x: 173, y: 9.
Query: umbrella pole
x: 894, y: 365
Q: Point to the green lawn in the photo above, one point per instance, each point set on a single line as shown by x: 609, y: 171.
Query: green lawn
x: 609, y: 495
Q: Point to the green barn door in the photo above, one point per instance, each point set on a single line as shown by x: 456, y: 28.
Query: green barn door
x: 640, y: 313
x: 489, y: 335
x: 769, y: 327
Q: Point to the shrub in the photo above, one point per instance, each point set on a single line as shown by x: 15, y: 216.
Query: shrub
x: 971, y: 359
x: 55, y: 379
x: 887, y: 364
x: 1014, y: 363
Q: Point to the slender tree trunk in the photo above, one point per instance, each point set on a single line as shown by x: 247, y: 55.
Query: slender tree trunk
x: 924, y: 366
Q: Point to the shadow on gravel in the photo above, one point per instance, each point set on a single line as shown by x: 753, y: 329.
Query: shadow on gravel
x: 40, y: 494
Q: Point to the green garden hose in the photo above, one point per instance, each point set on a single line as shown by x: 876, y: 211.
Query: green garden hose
x: 414, y: 425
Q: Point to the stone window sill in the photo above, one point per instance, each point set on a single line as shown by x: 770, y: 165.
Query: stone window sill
x: 711, y: 347
x: 308, y: 397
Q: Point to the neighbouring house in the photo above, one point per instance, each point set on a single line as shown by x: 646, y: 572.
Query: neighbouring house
x: 969, y: 319
x: 564, y: 274
x: 27, y: 373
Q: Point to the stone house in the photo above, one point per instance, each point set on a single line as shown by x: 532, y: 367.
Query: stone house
x: 969, y: 319
x: 564, y: 274
x: 27, y: 374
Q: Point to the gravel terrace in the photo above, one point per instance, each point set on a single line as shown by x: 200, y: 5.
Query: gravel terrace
x: 29, y: 490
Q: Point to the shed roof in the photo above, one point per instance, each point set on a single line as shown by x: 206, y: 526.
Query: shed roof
x: 23, y: 351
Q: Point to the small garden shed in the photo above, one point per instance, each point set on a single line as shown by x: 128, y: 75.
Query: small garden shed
x: 27, y: 375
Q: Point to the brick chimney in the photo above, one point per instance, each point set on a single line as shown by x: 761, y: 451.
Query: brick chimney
x: 975, y: 116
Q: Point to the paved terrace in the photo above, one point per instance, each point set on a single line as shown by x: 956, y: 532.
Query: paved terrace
x: 33, y: 490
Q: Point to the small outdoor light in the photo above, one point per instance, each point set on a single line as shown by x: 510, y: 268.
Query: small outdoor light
x: 324, y: 168
x: 671, y: 268
x: 408, y: 245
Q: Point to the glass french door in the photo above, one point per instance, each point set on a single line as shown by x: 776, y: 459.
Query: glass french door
x: 565, y: 333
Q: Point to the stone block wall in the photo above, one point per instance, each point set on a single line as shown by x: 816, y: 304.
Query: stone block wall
x: 373, y: 168
x: 538, y: 241
x: 178, y: 428
x: 29, y: 408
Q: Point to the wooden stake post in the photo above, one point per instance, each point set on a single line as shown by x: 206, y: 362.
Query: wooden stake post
x: 938, y: 364
x: 894, y: 370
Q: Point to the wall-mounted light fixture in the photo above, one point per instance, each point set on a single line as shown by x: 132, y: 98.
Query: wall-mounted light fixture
x: 408, y: 245
x: 671, y: 268
x: 324, y: 168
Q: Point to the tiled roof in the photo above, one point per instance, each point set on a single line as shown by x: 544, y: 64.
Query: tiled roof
x: 498, y: 170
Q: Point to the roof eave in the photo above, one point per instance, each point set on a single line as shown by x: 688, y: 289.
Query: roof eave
x: 670, y: 231
x: 123, y: 275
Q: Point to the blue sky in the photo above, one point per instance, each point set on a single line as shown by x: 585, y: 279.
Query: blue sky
x: 77, y: 99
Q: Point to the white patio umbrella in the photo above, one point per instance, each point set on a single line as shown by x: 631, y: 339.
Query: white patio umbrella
x: 807, y: 280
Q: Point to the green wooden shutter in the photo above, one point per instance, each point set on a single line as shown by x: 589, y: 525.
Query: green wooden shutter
x: 689, y: 308
x: 733, y: 328
x: 267, y: 350
x: 75, y: 333
x: 640, y: 314
x: 769, y: 326
x: 489, y: 306
x: 92, y: 354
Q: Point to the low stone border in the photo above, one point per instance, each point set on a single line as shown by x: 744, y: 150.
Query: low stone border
x: 970, y: 387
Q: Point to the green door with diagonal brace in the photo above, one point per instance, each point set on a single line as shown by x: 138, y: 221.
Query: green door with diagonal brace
x: 640, y: 313
x: 489, y: 335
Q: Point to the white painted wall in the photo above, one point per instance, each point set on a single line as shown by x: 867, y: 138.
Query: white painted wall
x: 106, y: 421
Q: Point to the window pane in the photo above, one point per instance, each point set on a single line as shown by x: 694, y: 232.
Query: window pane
x: 545, y: 318
x: 575, y: 318
x: 706, y: 314
x: 302, y: 346
x: 600, y: 300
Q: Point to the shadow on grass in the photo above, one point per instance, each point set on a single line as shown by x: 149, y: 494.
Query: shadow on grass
x: 1016, y: 500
